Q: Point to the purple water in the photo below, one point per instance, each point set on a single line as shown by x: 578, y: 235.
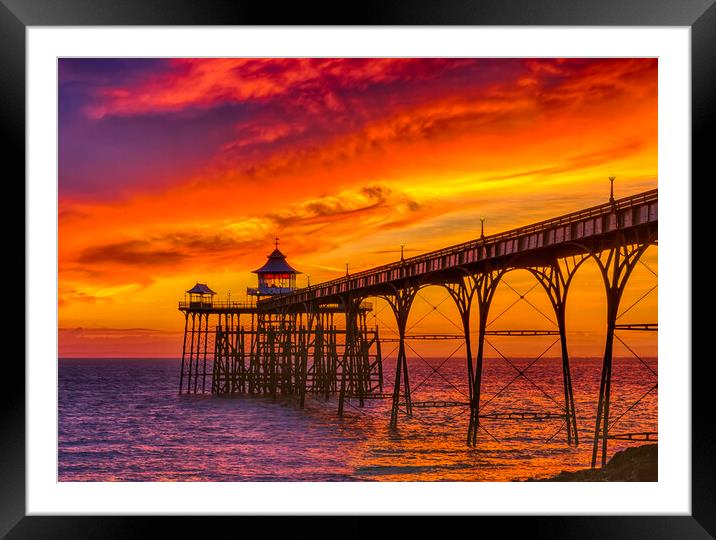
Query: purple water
x: 122, y: 420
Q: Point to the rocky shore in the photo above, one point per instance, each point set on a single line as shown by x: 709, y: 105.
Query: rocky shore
x: 637, y: 464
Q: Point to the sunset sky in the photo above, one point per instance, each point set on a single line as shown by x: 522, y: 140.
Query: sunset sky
x: 173, y: 171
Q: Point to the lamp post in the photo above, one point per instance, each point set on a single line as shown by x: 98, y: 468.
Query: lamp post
x: 612, y: 177
x: 308, y: 276
x: 482, y: 227
x: 402, y: 247
x: 346, y: 268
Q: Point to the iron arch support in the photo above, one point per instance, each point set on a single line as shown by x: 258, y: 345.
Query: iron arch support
x: 463, y: 293
x: 400, y: 302
x: 555, y: 280
x: 616, y: 265
x: 485, y: 287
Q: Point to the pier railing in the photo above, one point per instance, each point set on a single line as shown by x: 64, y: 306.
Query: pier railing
x: 622, y: 213
x: 248, y: 306
x: 216, y: 305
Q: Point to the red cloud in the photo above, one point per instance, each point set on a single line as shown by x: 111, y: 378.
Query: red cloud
x: 207, y: 82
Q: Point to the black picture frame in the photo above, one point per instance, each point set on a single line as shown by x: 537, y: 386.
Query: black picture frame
x: 16, y: 15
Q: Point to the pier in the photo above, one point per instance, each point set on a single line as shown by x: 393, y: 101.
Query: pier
x: 317, y: 339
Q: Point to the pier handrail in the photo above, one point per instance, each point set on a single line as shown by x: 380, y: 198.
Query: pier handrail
x: 599, y: 210
x: 216, y: 305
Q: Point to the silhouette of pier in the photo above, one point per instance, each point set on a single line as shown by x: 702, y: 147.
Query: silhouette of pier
x: 316, y: 340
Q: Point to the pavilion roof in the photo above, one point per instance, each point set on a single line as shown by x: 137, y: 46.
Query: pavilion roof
x: 200, y: 288
x: 276, y: 264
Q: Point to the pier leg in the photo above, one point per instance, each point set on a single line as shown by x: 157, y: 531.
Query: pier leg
x: 349, y: 350
x: 206, y: 343
x: 570, y: 413
x: 400, y: 302
x: 285, y: 337
x: 379, y: 361
x: 198, y: 353
x: 332, y: 362
x: 183, y: 353
x: 236, y: 356
x: 220, y: 379
x: 259, y: 356
x: 191, y: 353
x: 253, y: 357
x: 307, y: 341
x: 273, y: 361
x: 486, y: 285
x: 318, y: 377
x: 616, y: 265
x: 601, y: 429
x: 241, y: 360
x: 555, y: 279
x: 396, y: 386
x: 474, y: 423
x: 462, y: 293
x: 361, y: 359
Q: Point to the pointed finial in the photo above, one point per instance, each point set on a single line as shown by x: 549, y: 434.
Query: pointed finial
x: 277, y: 242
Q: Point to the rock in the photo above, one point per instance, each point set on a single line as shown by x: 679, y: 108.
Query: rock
x: 637, y: 464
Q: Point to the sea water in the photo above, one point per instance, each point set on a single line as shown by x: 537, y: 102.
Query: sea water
x: 123, y: 420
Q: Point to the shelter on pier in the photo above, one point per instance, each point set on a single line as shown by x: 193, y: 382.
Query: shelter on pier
x: 275, y: 277
x: 201, y: 296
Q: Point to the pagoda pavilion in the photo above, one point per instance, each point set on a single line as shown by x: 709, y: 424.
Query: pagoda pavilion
x: 275, y: 277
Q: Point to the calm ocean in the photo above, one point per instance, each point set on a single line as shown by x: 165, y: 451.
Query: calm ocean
x: 122, y: 420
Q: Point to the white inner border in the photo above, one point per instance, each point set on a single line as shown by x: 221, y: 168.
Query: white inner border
x: 671, y: 494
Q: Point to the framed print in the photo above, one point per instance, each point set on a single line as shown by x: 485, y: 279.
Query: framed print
x: 400, y: 264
